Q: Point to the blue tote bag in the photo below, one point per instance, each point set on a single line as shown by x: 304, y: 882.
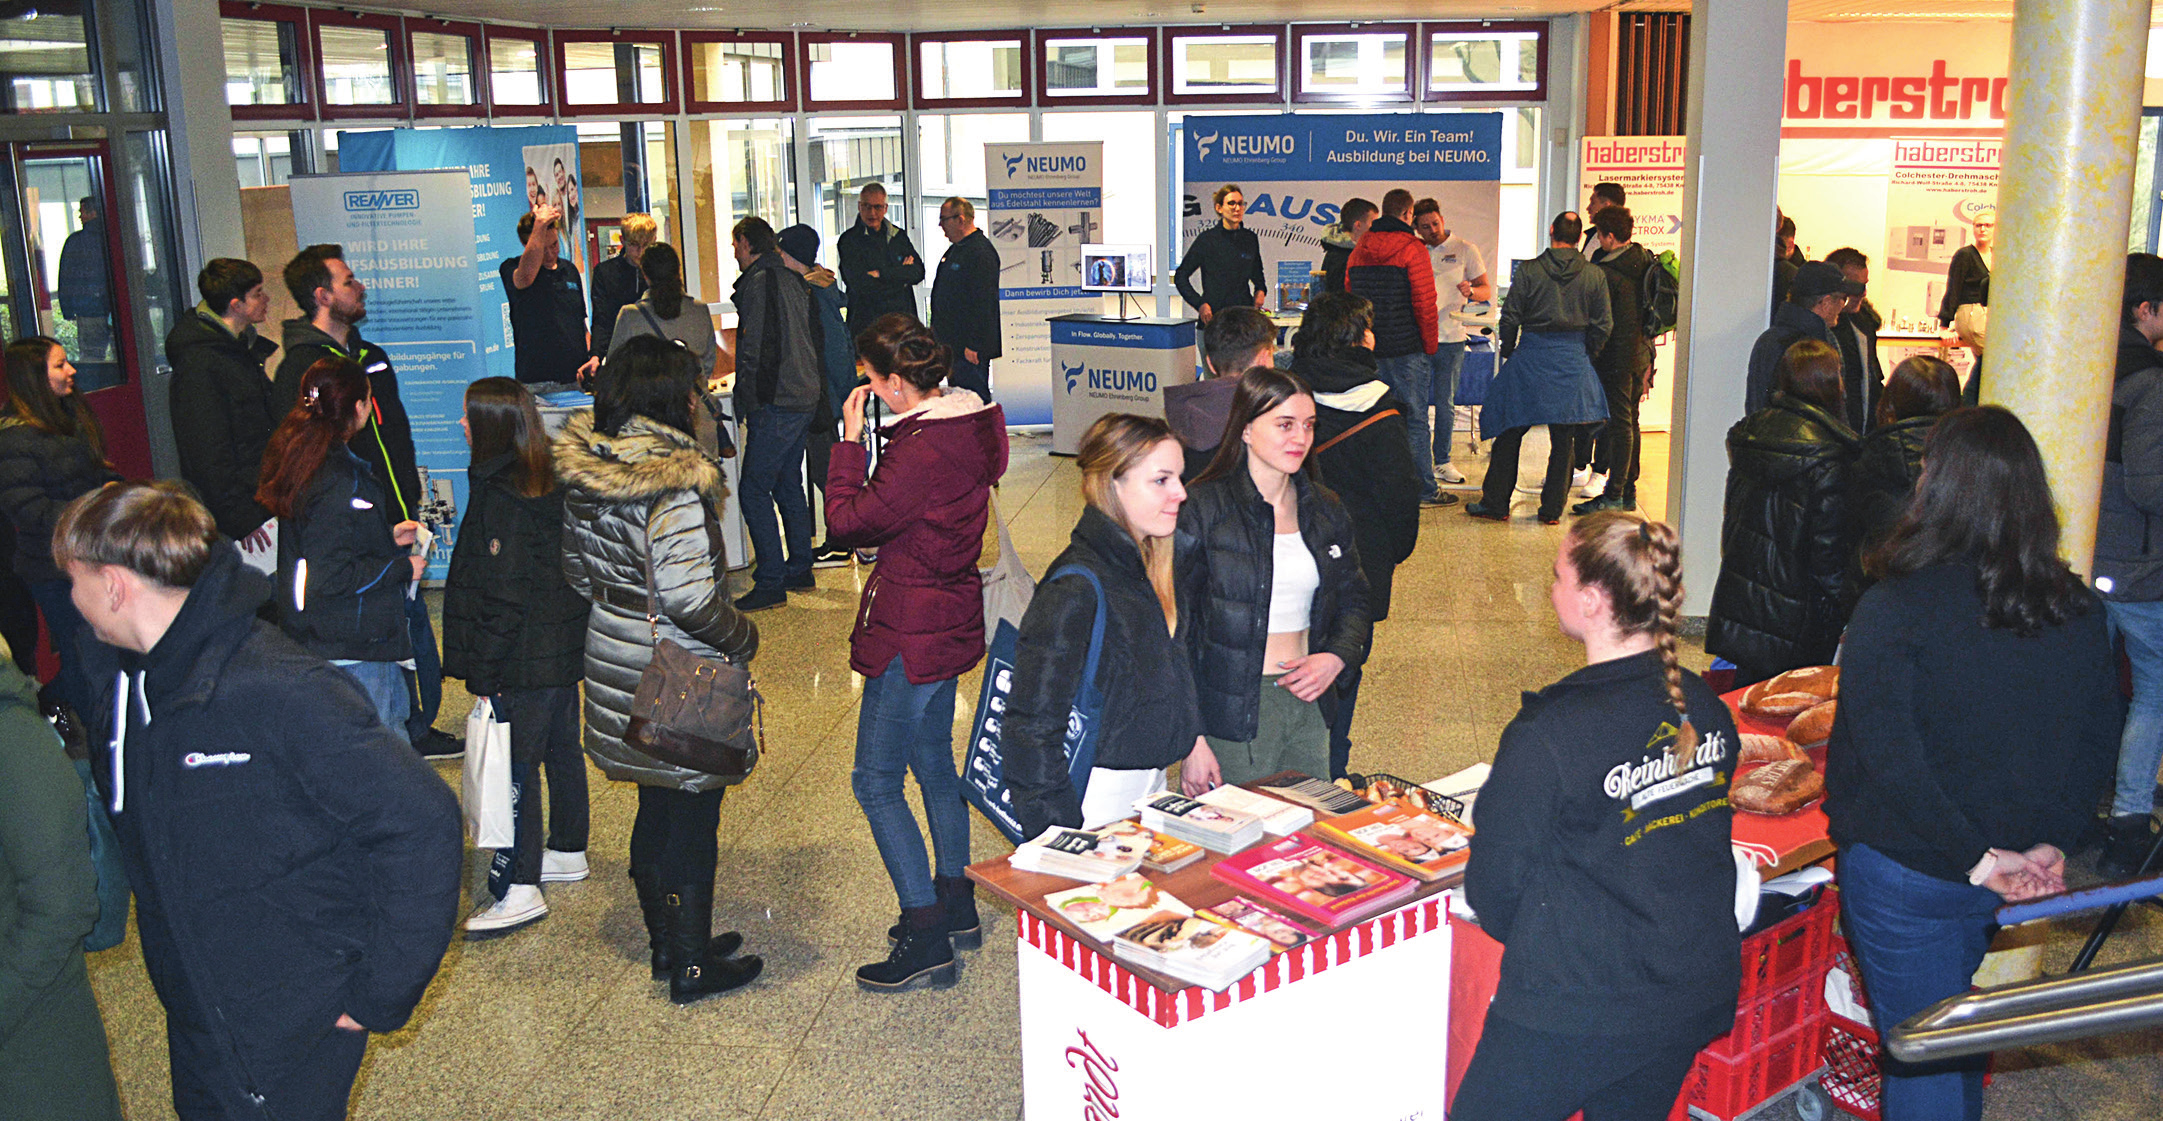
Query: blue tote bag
x: 983, y: 777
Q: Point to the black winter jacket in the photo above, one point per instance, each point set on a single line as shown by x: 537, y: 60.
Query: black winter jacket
x: 2129, y: 520
x: 863, y: 251
x: 223, y: 415
x: 1614, y: 899
x: 965, y: 298
x: 1791, y: 323
x: 617, y: 284
x: 1371, y: 471
x: 348, y: 602
x: 1150, y: 719
x: 292, y: 859
x: 510, y: 621
x: 387, y: 443
x: 1230, y: 262
x: 1225, y: 561
x: 1784, y: 540
x: 1557, y: 291
x: 1887, y: 463
x: 1862, y: 376
x: 784, y: 371
x: 2135, y: 353
x: 1967, y: 281
x: 40, y: 473
x: 1627, y: 352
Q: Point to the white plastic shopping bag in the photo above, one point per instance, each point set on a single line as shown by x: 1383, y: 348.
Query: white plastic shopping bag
x: 488, y: 778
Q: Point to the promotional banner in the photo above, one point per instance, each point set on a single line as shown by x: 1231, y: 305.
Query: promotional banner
x: 408, y: 237
x: 1649, y: 169
x: 1296, y: 170
x: 511, y: 170
x: 1045, y: 202
x: 1938, y: 189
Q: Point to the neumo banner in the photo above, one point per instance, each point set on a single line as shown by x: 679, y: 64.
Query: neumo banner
x: 1297, y: 170
x: 1045, y: 202
x: 408, y: 236
x: 1649, y: 169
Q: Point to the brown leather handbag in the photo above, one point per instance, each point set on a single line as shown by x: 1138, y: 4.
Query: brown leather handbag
x: 699, y: 713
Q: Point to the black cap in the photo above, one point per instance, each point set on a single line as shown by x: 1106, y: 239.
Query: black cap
x: 1816, y: 280
x: 801, y: 242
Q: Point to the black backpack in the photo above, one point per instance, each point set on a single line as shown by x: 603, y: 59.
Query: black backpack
x: 1662, y: 287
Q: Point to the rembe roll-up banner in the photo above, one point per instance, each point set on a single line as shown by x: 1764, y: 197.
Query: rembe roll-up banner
x: 408, y: 236
x: 1045, y: 202
x: 1649, y: 169
x: 1297, y: 170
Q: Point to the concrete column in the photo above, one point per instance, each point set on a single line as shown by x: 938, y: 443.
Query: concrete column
x: 206, y: 182
x: 1728, y: 204
x: 2064, y: 198
x: 1564, y: 121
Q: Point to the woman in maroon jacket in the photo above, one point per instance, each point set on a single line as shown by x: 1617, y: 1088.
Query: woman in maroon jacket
x: 921, y: 626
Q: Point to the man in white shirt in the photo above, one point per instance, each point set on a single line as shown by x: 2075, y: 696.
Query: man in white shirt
x: 1460, y: 277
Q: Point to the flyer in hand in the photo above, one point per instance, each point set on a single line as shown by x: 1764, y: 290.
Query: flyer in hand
x: 1421, y: 845
x: 1305, y: 877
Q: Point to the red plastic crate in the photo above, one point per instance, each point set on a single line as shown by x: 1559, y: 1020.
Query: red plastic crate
x: 1784, y: 1009
x: 1851, y: 1078
x: 1728, y: 1087
x: 1780, y: 955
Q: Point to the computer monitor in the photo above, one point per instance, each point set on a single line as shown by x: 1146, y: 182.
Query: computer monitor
x: 1116, y: 268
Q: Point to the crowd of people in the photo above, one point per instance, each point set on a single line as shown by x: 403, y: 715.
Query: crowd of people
x: 297, y: 880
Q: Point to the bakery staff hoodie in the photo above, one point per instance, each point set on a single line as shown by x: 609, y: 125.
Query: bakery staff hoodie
x: 1605, y: 875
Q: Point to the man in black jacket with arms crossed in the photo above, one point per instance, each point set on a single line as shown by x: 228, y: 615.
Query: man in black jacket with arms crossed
x: 223, y: 407
x: 880, y: 267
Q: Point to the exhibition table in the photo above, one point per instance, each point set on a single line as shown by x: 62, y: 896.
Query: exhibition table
x: 1102, y: 364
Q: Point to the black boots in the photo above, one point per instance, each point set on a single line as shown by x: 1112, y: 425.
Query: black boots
x: 957, y: 907
x: 922, y: 955
x: 2127, y: 840
x: 695, y: 969
x: 652, y: 905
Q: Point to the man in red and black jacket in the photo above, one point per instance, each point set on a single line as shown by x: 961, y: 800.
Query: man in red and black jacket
x: 1391, y: 269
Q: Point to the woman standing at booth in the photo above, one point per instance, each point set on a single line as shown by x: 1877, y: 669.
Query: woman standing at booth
x: 1978, y: 724
x: 921, y: 626
x: 1228, y: 256
x: 1271, y: 586
x: 1614, y: 901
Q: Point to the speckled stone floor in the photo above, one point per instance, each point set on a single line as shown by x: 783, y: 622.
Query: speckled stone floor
x: 559, y: 1020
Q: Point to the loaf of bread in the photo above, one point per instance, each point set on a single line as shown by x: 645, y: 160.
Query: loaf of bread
x: 1777, y: 788
x: 1821, y: 681
x: 1766, y: 702
x: 1813, y: 726
x: 1766, y: 749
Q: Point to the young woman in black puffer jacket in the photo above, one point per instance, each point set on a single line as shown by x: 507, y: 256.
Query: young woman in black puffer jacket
x: 1785, y: 538
x: 1272, y: 597
x: 51, y: 452
x: 1361, y: 449
x: 1890, y: 458
x: 516, y: 632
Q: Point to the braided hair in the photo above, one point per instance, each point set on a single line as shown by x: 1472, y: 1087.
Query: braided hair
x: 1638, y: 563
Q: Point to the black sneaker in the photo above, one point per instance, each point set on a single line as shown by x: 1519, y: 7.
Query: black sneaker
x: 759, y: 599
x: 829, y: 556
x: 805, y: 583
x: 1482, y: 510
x: 2129, y: 838
x: 436, y: 744
x: 1439, y: 498
x: 1595, y: 505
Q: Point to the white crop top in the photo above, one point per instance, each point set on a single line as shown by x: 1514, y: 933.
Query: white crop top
x: 1291, y: 592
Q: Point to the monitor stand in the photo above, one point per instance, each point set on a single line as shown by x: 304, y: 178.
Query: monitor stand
x: 1123, y: 316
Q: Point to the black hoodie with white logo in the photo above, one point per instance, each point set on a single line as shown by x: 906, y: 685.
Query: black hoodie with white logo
x: 1605, y: 874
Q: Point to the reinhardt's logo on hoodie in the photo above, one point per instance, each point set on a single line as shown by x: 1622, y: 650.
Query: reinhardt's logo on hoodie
x: 1653, y: 777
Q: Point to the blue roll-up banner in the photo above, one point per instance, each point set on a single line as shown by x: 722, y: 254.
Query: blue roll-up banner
x: 408, y: 236
x: 1045, y: 202
x: 1296, y: 170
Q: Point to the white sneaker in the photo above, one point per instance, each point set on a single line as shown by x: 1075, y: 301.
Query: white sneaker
x: 1449, y: 476
x: 1580, y: 477
x: 522, y: 905
x: 1593, y: 487
x: 563, y: 867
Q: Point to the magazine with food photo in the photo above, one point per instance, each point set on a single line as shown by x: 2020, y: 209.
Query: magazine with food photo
x: 1308, y: 878
x: 1282, y: 933
x: 1102, y: 910
x: 1420, y: 845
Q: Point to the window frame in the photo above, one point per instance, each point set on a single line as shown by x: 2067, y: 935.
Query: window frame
x: 904, y: 72
x: 477, y: 69
x: 1021, y: 99
x: 394, y: 42
x: 1153, y: 66
x: 672, y: 95
x: 1414, y: 40
x: 792, y: 92
x: 1277, y: 31
x: 304, y: 62
x: 1538, y: 93
x: 543, y: 51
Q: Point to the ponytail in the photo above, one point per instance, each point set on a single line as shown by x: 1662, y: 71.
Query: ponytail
x: 1638, y: 563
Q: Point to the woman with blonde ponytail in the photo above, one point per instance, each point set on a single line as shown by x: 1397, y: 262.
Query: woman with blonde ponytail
x: 1602, y: 862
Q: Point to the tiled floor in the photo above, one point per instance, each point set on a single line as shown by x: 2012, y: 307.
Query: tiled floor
x: 560, y: 1021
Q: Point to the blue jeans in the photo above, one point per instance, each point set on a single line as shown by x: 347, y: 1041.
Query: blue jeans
x: 1443, y: 368
x: 1406, y: 376
x: 385, y: 684
x: 1918, y: 939
x: 773, y: 474
x: 427, y: 671
x: 903, y: 727
x: 62, y: 625
x: 2140, y: 748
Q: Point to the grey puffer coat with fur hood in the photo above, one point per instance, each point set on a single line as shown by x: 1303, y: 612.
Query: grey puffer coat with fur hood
x: 647, y: 490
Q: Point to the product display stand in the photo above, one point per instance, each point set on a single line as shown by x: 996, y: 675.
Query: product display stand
x: 1105, y: 365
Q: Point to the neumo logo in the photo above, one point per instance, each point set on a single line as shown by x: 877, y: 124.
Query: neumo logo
x: 1260, y: 145
x: 1100, y: 1091
x: 1936, y: 96
x: 382, y: 200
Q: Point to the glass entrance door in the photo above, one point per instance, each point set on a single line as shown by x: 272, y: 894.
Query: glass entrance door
x: 62, y: 275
